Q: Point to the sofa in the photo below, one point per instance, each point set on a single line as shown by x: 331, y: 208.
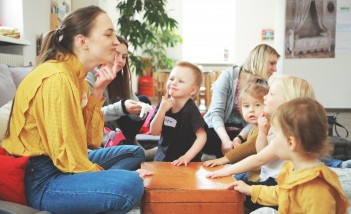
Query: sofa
x: 10, y: 77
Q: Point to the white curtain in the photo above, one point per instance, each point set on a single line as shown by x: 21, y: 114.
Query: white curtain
x: 301, y: 10
x: 319, y: 8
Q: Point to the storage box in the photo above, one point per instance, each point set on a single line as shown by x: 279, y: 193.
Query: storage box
x: 185, y: 189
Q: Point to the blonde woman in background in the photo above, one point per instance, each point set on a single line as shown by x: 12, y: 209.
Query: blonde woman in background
x: 226, y: 125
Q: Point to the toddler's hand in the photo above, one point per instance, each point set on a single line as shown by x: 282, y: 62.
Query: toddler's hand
x: 181, y: 161
x: 263, y: 123
x: 241, y: 186
x: 166, y: 103
x: 216, y: 162
x: 218, y: 174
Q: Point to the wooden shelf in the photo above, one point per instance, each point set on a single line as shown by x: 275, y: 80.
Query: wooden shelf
x: 5, y: 40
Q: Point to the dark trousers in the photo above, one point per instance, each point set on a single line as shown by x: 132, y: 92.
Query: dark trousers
x: 213, y: 144
x: 129, y: 127
x: 254, y: 206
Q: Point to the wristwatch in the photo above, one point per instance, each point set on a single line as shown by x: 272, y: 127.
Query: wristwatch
x: 241, y: 138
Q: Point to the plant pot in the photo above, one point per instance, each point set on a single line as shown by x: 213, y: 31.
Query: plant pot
x: 147, y: 71
x: 146, y: 86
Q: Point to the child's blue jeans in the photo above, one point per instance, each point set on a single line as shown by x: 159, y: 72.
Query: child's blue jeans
x: 115, y: 190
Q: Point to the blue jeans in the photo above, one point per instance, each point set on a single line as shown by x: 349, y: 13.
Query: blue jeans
x: 334, y: 163
x: 114, y: 190
x: 242, y: 177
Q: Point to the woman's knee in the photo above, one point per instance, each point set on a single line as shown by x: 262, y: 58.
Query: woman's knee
x: 131, y: 194
x: 140, y: 153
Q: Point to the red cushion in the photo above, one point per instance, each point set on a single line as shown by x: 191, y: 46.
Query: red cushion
x: 12, y: 178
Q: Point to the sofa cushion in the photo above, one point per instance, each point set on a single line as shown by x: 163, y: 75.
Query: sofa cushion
x: 12, y: 178
x: 7, y: 86
x: 4, y: 117
x: 18, y: 73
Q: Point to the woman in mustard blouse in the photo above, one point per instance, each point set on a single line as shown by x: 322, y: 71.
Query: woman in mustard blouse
x: 55, y: 120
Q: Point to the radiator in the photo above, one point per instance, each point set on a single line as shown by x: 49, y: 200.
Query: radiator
x: 12, y: 60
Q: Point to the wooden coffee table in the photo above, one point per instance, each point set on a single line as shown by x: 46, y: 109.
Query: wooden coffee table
x: 185, y: 189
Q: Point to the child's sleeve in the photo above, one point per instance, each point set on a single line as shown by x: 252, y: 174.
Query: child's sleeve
x: 197, y: 121
x: 244, y: 150
x: 265, y: 195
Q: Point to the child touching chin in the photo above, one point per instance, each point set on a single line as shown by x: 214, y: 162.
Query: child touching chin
x: 178, y: 120
x: 305, y: 184
x: 251, y: 108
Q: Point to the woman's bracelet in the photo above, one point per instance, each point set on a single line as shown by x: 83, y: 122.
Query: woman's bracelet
x: 241, y: 138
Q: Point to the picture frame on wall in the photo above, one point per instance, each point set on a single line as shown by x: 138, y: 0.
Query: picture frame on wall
x: 59, y: 10
x: 310, y: 29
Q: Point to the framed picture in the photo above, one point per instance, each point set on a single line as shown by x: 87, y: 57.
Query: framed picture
x: 59, y: 10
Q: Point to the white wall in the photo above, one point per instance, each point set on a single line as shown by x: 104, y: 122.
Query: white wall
x: 252, y: 16
x: 108, y: 5
x: 34, y: 23
x: 175, y: 11
x: 7, y: 17
x: 329, y: 77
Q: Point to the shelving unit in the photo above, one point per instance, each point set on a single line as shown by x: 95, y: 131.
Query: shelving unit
x: 11, y: 50
x: 5, y: 40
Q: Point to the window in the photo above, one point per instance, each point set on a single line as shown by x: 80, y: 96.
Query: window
x: 208, y: 31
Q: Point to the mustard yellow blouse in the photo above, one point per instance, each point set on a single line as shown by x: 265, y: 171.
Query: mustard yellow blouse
x: 54, y: 115
x: 311, y: 190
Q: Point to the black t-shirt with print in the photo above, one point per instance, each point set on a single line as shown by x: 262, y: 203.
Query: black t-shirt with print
x: 178, y: 132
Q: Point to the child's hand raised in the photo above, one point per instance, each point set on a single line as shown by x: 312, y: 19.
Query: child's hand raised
x: 263, y: 124
x: 241, y: 186
x: 166, y: 103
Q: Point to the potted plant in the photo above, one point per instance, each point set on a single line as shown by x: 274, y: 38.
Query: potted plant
x: 149, y: 30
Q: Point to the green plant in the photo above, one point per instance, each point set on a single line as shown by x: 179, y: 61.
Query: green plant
x: 148, y: 28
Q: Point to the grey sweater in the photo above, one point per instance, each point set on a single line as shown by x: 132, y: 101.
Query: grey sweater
x: 222, y: 102
x: 112, y: 111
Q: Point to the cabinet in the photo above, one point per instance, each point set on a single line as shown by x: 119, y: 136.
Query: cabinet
x: 11, y: 50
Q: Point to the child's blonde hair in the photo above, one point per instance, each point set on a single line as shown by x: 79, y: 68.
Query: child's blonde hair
x: 306, y: 120
x: 293, y: 87
x: 258, y: 91
x: 196, y: 71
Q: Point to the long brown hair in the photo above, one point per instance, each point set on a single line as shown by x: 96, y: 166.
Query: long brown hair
x: 59, y: 43
x: 119, y: 88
